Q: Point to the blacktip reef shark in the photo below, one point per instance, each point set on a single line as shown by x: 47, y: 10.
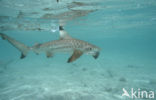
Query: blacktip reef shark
x: 65, y: 44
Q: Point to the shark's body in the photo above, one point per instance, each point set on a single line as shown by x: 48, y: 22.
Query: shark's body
x: 64, y: 44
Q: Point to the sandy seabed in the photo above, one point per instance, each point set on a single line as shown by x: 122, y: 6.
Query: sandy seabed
x: 39, y: 78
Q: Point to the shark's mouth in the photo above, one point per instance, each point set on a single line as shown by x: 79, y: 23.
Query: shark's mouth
x: 96, y: 55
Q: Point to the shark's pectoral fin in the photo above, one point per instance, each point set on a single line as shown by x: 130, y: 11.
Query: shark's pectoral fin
x: 76, y: 54
x: 49, y: 54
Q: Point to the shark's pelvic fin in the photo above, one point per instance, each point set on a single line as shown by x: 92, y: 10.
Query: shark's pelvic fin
x: 22, y: 56
x: 20, y: 46
x: 63, y: 33
x: 49, y: 54
x: 76, y: 54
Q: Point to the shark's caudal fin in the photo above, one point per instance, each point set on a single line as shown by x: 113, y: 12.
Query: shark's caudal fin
x: 20, y: 46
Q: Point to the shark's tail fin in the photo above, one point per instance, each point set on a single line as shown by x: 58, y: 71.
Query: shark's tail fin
x: 20, y: 46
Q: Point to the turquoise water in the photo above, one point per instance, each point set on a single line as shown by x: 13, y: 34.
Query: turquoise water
x: 123, y: 29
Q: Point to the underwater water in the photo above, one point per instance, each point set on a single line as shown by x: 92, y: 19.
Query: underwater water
x: 123, y: 29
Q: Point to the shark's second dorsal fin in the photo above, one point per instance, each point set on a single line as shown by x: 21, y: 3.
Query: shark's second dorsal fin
x: 63, y: 33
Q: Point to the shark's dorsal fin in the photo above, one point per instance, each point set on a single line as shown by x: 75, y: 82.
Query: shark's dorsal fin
x: 76, y: 54
x: 63, y: 33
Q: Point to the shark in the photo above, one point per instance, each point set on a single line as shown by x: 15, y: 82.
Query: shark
x: 65, y: 43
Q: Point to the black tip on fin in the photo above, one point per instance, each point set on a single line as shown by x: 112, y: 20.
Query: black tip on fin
x: 69, y: 61
x: 96, y: 55
x: 57, y: 0
x: 61, y: 28
x: 22, y: 56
